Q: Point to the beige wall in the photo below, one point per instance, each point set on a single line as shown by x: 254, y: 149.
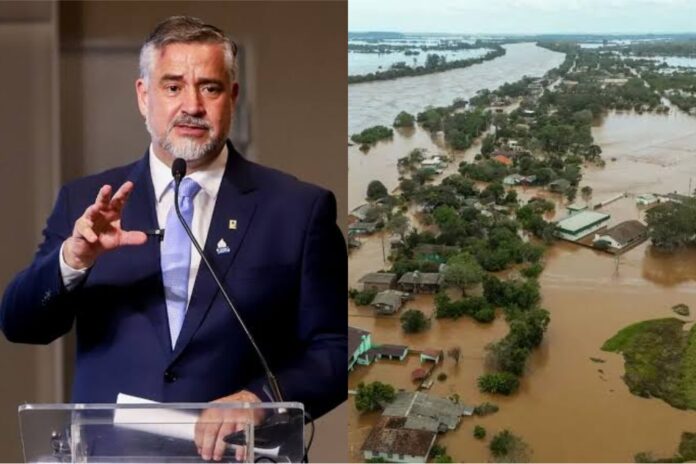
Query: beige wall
x: 69, y: 110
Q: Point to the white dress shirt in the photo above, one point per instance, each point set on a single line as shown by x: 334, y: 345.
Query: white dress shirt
x: 209, y: 178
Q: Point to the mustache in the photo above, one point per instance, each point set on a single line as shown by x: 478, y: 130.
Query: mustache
x: 189, y: 121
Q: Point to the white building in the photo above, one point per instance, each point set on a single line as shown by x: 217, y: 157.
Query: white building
x: 623, y: 235
x: 581, y: 224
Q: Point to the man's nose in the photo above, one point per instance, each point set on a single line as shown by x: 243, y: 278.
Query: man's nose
x: 193, y: 102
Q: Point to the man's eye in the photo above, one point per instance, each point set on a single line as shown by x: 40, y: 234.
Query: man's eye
x: 212, y: 89
x: 172, y: 89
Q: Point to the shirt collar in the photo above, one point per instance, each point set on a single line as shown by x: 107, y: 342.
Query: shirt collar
x: 209, y: 178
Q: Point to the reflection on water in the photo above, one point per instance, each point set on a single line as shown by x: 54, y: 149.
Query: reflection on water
x: 379, y: 102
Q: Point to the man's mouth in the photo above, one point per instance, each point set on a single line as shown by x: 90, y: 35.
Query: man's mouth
x: 191, y: 129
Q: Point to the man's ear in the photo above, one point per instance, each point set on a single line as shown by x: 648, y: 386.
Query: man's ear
x: 141, y: 92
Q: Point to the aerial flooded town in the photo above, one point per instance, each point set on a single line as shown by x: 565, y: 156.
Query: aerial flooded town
x: 522, y: 269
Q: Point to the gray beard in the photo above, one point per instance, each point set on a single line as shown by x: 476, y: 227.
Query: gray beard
x: 188, y: 149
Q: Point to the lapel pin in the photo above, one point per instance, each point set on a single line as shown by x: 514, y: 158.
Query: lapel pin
x: 222, y: 247
x: 233, y: 224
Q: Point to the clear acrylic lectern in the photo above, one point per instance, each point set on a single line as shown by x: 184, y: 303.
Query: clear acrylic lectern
x: 161, y: 432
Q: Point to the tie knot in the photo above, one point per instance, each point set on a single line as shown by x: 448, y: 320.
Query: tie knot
x: 188, y: 188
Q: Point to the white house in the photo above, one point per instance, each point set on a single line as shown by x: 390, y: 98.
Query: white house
x: 581, y: 224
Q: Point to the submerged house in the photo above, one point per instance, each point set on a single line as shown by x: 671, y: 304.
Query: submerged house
x: 392, y: 442
x: 388, y: 301
x: 420, y: 282
x: 581, y: 224
x: 379, y: 281
x: 359, y: 343
x: 427, y: 412
x: 623, y: 235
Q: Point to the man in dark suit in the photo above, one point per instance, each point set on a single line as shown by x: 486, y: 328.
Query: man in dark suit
x: 150, y: 320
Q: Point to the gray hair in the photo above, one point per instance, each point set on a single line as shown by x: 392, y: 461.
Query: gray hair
x: 186, y: 29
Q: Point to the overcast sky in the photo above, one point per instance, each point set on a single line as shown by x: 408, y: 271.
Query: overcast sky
x: 523, y: 16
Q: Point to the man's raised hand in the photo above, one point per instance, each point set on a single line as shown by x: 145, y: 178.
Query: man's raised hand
x: 99, y: 229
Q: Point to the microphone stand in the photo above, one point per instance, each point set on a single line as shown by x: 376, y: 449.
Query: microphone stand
x: 273, y: 384
x: 273, y: 429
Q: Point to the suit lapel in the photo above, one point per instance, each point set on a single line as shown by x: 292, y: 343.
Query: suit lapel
x: 235, y: 202
x: 139, y: 213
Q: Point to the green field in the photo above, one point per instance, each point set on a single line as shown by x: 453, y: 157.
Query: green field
x: 660, y: 360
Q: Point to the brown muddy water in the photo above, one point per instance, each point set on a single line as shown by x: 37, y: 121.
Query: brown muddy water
x: 379, y: 102
x: 569, y: 408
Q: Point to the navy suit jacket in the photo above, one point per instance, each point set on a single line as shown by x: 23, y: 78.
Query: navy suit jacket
x: 285, y: 270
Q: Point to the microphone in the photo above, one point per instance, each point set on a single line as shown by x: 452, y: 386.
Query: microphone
x: 178, y: 172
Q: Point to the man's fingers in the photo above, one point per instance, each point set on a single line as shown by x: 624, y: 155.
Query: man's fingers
x: 133, y: 237
x: 209, y: 436
x: 220, y: 445
x: 103, y: 197
x: 83, y: 229
x: 120, y: 197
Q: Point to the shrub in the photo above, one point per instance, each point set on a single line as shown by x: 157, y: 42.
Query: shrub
x: 404, y: 119
x: 485, y: 409
x: 370, y: 397
x: 413, y: 321
x: 441, y: 376
x: 372, y: 135
x: 479, y: 432
x: 376, y: 190
x: 364, y: 298
x: 502, y: 383
x: 508, y: 447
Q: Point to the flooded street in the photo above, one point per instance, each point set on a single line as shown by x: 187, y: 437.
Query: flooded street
x: 569, y: 408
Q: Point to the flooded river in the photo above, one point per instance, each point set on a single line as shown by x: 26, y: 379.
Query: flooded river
x: 379, y: 102
x: 569, y: 408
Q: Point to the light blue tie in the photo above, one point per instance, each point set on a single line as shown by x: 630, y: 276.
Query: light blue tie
x: 176, y: 258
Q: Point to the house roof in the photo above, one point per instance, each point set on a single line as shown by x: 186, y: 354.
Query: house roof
x: 626, y: 231
x: 389, y: 350
x: 421, y: 278
x: 355, y: 338
x: 417, y: 404
x: 419, y: 374
x: 581, y: 220
x: 563, y: 183
x: 378, y: 278
x: 361, y: 211
x: 389, y: 436
x: 502, y: 159
x: 432, y: 352
x: 389, y: 298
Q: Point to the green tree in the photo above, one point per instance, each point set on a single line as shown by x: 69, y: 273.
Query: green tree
x: 586, y: 193
x: 373, y: 396
x: 413, y: 321
x: 672, y: 225
x: 488, y: 144
x: 404, y: 119
x: 463, y: 271
x: 479, y: 432
x: 503, y: 383
x: 398, y: 224
x: 376, y: 190
x: 509, y: 447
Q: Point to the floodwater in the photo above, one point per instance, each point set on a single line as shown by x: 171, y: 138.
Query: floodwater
x: 364, y: 63
x: 569, y: 408
x: 373, y: 103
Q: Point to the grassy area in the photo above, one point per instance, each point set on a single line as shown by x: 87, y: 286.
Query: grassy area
x: 660, y: 360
